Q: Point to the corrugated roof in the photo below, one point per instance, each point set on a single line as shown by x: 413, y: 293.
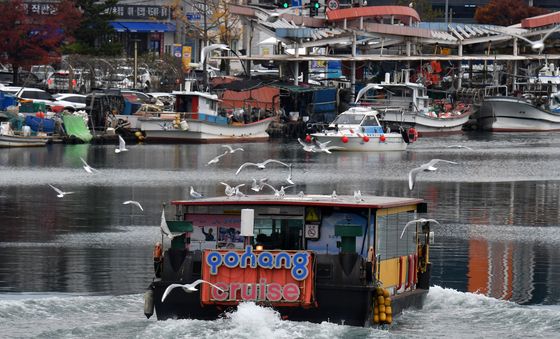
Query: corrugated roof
x: 263, y: 97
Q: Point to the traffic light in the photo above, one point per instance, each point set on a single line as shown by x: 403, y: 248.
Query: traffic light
x: 314, y: 7
x: 284, y: 3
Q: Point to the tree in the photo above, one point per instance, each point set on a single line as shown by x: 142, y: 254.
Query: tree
x: 506, y: 12
x: 92, y: 36
x: 30, y: 38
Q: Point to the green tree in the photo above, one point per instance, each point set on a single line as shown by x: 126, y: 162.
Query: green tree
x: 94, y: 33
x: 506, y: 12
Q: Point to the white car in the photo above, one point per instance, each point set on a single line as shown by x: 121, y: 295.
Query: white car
x: 38, y: 95
x: 76, y: 101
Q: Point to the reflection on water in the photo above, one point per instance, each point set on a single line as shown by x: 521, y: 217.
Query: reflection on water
x: 499, y: 208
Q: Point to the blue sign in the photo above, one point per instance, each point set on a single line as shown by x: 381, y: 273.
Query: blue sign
x: 193, y: 16
x: 296, y: 3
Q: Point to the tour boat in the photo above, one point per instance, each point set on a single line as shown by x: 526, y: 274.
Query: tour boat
x: 354, y: 260
x: 358, y: 129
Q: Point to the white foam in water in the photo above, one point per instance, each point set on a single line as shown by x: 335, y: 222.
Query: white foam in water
x: 449, y: 313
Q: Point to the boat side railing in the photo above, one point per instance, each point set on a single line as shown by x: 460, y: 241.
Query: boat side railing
x: 492, y: 91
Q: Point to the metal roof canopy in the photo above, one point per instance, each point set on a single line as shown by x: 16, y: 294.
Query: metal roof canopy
x: 478, y: 57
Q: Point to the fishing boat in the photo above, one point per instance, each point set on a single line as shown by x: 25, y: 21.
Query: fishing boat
x: 196, y: 120
x: 354, y: 260
x: 406, y: 104
x: 9, y: 138
x: 535, y: 108
x: 358, y: 129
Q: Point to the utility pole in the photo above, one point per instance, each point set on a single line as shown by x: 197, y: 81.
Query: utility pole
x: 204, y: 67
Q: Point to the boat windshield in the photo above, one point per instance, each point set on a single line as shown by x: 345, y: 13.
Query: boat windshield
x: 347, y: 119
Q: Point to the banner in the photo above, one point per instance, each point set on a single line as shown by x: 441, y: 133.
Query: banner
x: 177, y: 50
x: 187, y: 50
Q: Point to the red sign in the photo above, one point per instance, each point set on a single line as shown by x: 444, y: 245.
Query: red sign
x: 281, y: 278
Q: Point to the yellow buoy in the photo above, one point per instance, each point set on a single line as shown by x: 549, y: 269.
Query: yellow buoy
x: 381, y: 300
x: 138, y: 133
x: 379, y: 291
x: 376, y: 319
x: 376, y: 310
x: 381, y: 309
x: 388, y: 310
x: 382, y: 317
x: 389, y: 319
x: 387, y: 301
x: 386, y: 293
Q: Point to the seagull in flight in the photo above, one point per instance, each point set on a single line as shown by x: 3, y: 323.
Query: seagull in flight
x: 87, y: 167
x: 122, y: 146
x: 194, y: 194
x: 415, y: 221
x: 279, y: 194
x: 327, y: 149
x: 424, y: 167
x: 306, y: 147
x: 261, y: 165
x: 233, y: 150
x: 61, y: 193
x: 257, y: 187
x: 289, y: 178
x: 231, y: 191
x: 460, y: 146
x: 133, y: 202
x: 216, y: 159
x: 537, y: 46
x: 189, y: 288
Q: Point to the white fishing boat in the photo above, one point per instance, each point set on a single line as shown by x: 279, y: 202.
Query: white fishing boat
x: 358, y: 129
x: 536, y: 108
x: 8, y: 138
x: 407, y: 104
x: 196, y: 120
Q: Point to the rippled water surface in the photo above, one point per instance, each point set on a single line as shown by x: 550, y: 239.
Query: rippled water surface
x: 77, y: 266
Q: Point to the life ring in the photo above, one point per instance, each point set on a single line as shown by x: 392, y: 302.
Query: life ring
x: 412, y: 134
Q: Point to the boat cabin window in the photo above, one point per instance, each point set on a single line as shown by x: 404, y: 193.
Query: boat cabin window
x: 370, y: 120
x: 345, y: 119
x: 389, y: 244
x: 286, y: 234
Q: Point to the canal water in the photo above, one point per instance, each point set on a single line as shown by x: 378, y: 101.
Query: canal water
x: 78, y: 266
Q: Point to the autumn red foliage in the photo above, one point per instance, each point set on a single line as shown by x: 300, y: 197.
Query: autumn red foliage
x: 506, y: 12
x: 28, y: 39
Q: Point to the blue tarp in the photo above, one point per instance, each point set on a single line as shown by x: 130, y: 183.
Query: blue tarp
x: 142, y: 27
x: 40, y: 125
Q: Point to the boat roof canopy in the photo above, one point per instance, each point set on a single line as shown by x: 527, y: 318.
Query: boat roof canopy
x: 375, y: 202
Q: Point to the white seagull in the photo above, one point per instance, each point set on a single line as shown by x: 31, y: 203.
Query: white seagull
x: 358, y: 196
x: 195, y: 194
x: 233, y: 150
x: 279, y: 194
x: 537, y: 46
x: 289, y: 178
x: 133, y: 202
x: 231, y: 191
x: 189, y: 288
x: 260, y: 165
x: 324, y: 148
x: 424, y: 167
x: 306, y: 146
x: 415, y: 221
x: 333, y: 195
x: 87, y: 167
x: 122, y: 146
x: 257, y: 187
x: 206, y: 51
x: 460, y: 146
x: 61, y: 193
x: 216, y: 159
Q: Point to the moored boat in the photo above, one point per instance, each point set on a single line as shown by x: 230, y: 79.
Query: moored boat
x: 196, y: 120
x: 354, y: 260
x: 407, y: 104
x: 358, y: 129
x: 535, y: 109
x: 8, y: 138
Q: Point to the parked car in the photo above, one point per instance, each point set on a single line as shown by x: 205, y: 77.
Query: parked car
x: 60, y: 81
x: 40, y: 96
x: 77, y: 101
x: 42, y: 72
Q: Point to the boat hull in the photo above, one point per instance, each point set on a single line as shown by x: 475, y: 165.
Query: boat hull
x: 427, y: 125
x: 348, y: 305
x: 22, y: 141
x: 204, y: 131
x: 509, y: 114
x: 393, y: 142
